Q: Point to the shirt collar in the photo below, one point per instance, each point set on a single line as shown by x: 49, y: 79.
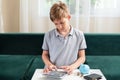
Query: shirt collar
x: 70, y: 33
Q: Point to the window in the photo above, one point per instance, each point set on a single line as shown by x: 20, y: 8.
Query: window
x: 94, y: 7
x: 108, y: 8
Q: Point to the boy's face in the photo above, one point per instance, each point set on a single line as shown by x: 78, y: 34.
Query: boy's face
x: 62, y: 24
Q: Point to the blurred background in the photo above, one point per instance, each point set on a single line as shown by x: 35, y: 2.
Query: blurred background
x: 32, y: 16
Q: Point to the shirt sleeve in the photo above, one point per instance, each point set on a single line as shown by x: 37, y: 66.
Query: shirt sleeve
x: 82, y: 41
x: 45, y: 42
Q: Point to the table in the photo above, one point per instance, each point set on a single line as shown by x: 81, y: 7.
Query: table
x: 38, y: 74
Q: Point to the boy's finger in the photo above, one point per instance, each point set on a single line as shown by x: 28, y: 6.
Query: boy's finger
x: 63, y: 67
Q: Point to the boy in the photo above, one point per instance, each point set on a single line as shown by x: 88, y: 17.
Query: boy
x: 63, y: 47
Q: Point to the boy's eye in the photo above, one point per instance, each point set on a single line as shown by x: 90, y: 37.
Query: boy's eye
x: 62, y: 23
x: 56, y: 24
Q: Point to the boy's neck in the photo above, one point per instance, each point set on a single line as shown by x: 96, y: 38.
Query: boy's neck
x: 65, y: 32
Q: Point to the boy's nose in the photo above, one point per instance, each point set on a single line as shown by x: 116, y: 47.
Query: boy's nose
x: 59, y: 25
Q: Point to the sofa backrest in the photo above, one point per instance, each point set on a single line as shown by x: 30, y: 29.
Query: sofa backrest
x: 103, y: 44
x: 21, y: 43
x: 31, y: 44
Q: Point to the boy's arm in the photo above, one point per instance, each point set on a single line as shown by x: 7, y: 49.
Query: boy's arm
x: 46, y: 60
x: 45, y: 57
x: 80, y: 60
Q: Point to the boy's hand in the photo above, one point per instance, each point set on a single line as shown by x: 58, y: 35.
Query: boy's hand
x: 68, y: 69
x: 49, y: 68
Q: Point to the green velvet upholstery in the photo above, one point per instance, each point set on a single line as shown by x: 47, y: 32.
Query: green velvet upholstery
x: 103, y: 44
x: 37, y: 63
x: 17, y: 44
x: 13, y: 67
x: 109, y: 65
x: 103, y: 53
x: 20, y: 54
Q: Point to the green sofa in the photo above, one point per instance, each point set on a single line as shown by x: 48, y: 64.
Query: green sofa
x: 20, y: 54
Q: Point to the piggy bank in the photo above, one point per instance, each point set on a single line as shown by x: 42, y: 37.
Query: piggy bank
x: 84, y: 68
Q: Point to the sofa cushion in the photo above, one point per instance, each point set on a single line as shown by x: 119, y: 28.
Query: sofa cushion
x: 13, y: 67
x: 109, y: 65
x: 36, y: 64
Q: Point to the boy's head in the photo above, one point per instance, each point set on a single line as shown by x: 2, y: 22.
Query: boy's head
x: 58, y: 11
